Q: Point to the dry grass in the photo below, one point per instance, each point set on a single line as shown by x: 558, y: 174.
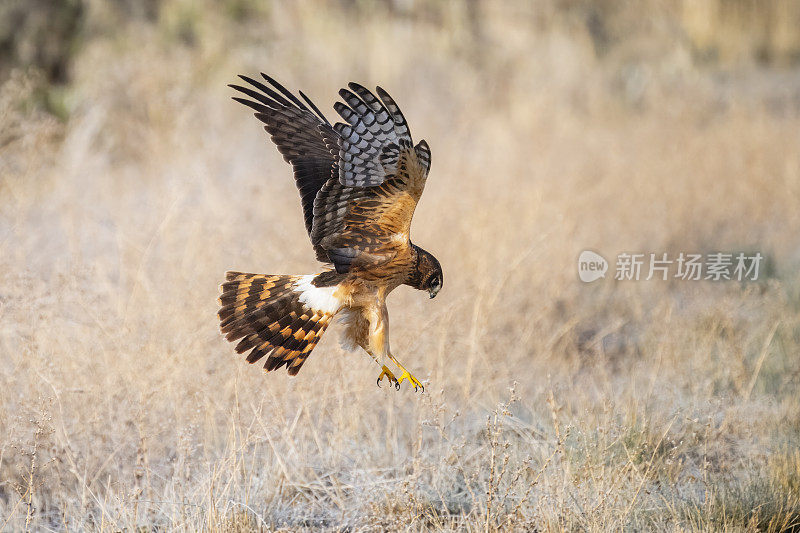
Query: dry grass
x: 550, y: 404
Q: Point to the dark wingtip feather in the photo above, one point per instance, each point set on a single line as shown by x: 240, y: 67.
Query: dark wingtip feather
x: 261, y: 108
x: 255, y: 95
x: 285, y: 91
x: 266, y: 90
x: 388, y: 100
x: 315, y: 108
x: 357, y: 87
x: 344, y: 93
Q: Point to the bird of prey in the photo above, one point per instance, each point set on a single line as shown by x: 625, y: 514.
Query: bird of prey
x: 359, y: 182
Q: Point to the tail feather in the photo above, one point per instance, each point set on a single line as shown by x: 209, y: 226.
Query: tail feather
x: 281, y: 317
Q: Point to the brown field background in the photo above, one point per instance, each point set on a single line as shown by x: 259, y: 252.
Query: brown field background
x: 130, y: 182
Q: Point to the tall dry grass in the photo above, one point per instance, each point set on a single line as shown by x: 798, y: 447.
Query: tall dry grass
x: 549, y: 405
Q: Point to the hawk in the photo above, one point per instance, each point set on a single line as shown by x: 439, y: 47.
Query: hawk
x: 359, y: 182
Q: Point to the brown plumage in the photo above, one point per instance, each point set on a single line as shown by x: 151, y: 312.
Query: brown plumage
x: 359, y: 182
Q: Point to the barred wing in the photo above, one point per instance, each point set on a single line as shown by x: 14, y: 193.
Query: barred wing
x: 373, y: 126
x: 359, y: 181
x: 363, y: 219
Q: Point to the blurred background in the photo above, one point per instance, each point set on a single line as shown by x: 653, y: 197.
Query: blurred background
x: 130, y: 182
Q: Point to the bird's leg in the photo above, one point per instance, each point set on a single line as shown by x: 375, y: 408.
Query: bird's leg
x: 385, y: 372
x: 378, y: 342
x: 390, y: 376
x: 406, y: 375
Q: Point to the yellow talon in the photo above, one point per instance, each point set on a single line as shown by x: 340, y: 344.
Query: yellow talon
x: 389, y: 375
x: 414, y: 381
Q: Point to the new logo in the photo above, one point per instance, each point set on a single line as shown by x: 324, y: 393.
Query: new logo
x: 591, y: 266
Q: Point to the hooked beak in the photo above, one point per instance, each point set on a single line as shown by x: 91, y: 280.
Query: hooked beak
x: 434, y: 291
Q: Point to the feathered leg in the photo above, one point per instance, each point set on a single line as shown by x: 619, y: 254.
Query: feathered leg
x: 378, y: 317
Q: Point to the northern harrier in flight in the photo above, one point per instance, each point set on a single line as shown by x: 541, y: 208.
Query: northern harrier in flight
x: 359, y: 183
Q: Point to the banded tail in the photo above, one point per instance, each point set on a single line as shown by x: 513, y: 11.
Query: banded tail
x: 283, y: 317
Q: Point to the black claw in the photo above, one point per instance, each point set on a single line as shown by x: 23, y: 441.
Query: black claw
x: 379, y: 382
x: 397, y: 385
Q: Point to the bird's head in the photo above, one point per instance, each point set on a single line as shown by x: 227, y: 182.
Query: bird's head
x: 427, y: 273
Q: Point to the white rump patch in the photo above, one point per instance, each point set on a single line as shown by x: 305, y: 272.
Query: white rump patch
x: 317, y: 298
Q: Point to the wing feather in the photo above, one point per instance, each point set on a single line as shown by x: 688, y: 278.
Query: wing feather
x: 381, y: 175
x: 299, y: 132
x: 370, y: 126
x: 359, y: 179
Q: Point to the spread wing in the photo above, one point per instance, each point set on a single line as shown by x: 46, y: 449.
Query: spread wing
x: 363, y: 218
x: 299, y: 132
x: 359, y: 180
